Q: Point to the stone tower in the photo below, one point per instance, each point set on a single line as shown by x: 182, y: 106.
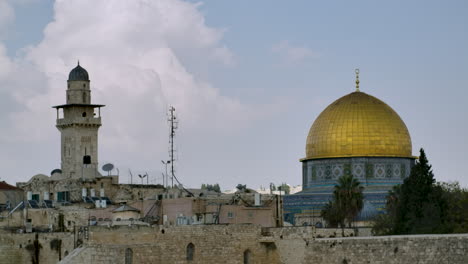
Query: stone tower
x: 78, y: 122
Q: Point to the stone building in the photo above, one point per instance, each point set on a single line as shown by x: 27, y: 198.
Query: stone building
x: 78, y: 122
x: 238, y: 208
x: 10, y: 196
x: 77, y: 194
x: 79, y: 179
x: 357, y: 134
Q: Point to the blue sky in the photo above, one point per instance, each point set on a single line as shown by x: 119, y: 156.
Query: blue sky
x: 275, y: 64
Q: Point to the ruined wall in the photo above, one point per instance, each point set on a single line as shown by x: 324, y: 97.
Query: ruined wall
x: 24, y: 248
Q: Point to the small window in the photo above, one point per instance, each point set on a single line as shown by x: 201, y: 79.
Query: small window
x: 230, y: 215
x: 84, y: 97
x: 84, y: 114
x: 118, y: 219
x: 84, y: 85
x: 190, y: 251
x: 128, y: 256
x: 247, y: 257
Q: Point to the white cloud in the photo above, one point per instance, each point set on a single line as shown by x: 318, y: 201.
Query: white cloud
x: 134, y: 52
x: 292, y: 54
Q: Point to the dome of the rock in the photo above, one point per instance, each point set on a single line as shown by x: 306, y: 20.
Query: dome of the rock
x: 358, y: 125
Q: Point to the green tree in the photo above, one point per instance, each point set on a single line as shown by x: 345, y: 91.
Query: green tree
x: 346, y: 204
x: 242, y: 187
x: 333, y: 215
x: 285, y: 188
x: 456, y: 218
x: 216, y: 188
x: 211, y: 187
x: 418, y: 206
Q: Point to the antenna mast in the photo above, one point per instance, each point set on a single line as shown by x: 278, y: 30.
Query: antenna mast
x: 173, y: 125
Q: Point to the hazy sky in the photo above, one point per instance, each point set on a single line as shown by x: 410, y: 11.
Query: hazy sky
x: 247, y: 79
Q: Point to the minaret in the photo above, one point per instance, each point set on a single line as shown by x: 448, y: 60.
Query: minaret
x: 78, y: 122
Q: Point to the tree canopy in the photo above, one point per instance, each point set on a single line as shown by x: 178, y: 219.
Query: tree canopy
x: 346, y: 204
x: 422, y: 206
x: 211, y: 187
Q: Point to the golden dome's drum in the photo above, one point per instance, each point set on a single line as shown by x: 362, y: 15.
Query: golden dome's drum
x: 358, y: 125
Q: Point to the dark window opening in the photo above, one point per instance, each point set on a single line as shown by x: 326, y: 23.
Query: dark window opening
x: 63, y: 196
x: 84, y: 114
x: 247, y: 257
x: 128, y: 256
x: 190, y: 251
x: 35, y: 197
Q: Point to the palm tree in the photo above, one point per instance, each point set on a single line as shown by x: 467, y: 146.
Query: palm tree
x: 348, y: 197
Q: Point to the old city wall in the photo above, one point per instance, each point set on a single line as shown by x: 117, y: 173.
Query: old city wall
x: 24, y: 248
x: 390, y: 249
x: 212, y: 244
x: 227, y: 244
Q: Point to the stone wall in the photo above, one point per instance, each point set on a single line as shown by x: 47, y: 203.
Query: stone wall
x: 212, y: 244
x: 390, y: 249
x: 44, y: 247
x: 228, y: 243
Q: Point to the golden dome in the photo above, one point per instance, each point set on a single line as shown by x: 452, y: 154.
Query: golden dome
x: 358, y: 125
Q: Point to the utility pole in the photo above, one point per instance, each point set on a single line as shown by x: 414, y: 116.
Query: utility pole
x: 172, y: 126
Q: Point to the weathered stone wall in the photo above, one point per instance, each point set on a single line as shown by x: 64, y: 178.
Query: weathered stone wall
x: 21, y: 248
x: 45, y: 219
x: 390, y: 249
x: 227, y: 244
x: 212, y: 244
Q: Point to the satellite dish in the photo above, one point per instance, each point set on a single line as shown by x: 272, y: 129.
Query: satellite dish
x: 56, y: 171
x: 108, y: 167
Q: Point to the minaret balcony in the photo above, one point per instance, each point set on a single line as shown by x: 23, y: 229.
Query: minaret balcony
x: 86, y: 121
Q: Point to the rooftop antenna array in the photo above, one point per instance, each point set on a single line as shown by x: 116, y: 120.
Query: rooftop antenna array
x: 173, y: 125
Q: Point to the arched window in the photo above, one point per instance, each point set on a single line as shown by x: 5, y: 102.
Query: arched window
x: 190, y: 251
x: 247, y: 257
x: 128, y: 256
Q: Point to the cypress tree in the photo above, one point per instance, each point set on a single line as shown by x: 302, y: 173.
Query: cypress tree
x: 419, y: 205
